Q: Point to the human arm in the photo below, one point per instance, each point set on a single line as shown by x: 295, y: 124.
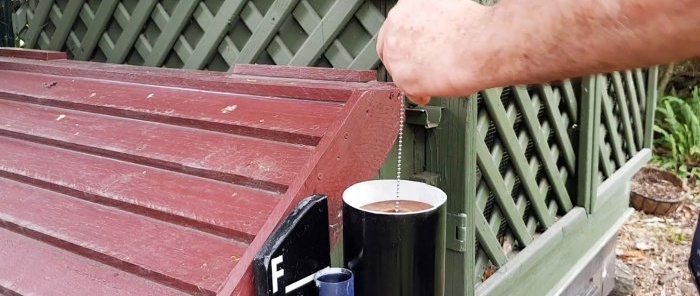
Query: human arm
x: 457, y: 47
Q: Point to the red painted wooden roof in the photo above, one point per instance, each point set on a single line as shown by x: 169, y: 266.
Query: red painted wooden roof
x: 124, y: 180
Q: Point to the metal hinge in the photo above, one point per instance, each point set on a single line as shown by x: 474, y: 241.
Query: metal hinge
x: 427, y: 116
x: 456, y: 232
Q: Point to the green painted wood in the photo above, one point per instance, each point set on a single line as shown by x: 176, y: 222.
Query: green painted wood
x: 560, y: 131
x: 228, y: 14
x: 606, y: 163
x: 63, y: 28
x: 97, y: 27
x: 610, y: 123
x: 621, y: 97
x: 589, y: 147
x: 498, y: 115
x: 651, y: 97
x: 539, y: 268
x: 457, y: 180
x: 266, y: 30
x: 325, y: 32
x: 569, y: 99
x: 495, y: 181
x: 532, y: 123
x: 36, y: 25
x: 7, y: 36
x: 371, y: 19
x: 489, y: 242
x: 642, y: 91
x: 132, y: 31
x: 171, y: 32
x: 635, y: 110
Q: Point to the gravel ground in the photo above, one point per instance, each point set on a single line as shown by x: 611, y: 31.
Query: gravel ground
x: 657, y: 248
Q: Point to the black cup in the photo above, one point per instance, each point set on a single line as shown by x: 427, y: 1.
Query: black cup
x: 391, y: 253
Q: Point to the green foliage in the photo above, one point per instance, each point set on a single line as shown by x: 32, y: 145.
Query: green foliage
x: 677, y: 129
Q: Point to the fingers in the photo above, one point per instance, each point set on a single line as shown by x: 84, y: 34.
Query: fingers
x: 419, y: 100
x: 380, y: 43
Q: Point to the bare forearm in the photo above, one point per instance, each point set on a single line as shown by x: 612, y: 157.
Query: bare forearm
x: 538, y: 41
x: 457, y: 47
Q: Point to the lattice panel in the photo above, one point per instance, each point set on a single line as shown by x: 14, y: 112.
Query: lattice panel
x: 209, y: 34
x: 524, y: 161
x: 623, y: 106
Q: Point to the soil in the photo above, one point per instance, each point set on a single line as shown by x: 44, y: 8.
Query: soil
x: 657, y: 185
x: 657, y: 249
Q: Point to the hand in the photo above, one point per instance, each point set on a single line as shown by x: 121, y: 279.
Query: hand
x: 421, y: 46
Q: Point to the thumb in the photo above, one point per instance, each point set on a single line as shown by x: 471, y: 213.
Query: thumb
x: 419, y: 100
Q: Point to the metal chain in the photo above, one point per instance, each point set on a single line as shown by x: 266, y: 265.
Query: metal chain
x: 402, y: 118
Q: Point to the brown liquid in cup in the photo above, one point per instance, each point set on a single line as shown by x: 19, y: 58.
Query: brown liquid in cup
x: 389, y: 206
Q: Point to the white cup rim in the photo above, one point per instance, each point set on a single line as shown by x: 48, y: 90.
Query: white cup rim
x: 364, y: 193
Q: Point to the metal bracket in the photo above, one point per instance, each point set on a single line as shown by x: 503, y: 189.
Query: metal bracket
x: 456, y: 232
x: 427, y: 116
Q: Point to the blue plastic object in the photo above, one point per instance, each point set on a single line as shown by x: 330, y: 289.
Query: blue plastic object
x: 335, y: 281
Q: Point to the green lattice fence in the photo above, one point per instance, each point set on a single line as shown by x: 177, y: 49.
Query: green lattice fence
x: 626, y: 128
x: 208, y: 34
x: 525, y: 157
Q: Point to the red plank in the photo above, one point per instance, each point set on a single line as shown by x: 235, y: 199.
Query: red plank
x: 213, y: 206
x: 302, y: 122
x: 229, y: 158
x: 263, y: 86
x: 31, y: 268
x: 33, y: 54
x: 185, y: 259
x: 352, y: 150
x: 314, y: 73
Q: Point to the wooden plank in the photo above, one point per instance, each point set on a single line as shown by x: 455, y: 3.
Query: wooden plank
x: 171, y: 32
x: 487, y: 239
x: 334, y: 91
x: 32, y: 54
x: 63, y: 28
x: 131, y: 31
x: 313, y: 73
x: 457, y: 181
x: 560, y: 132
x: 301, y: 122
x: 36, y: 25
x: 240, y: 160
x: 325, y: 32
x: 265, y: 30
x: 651, y: 97
x: 353, y: 151
x: 569, y: 99
x: 212, y: 206
x: 610, y: 123
x: 642, y: 91
x: 636, y: 111
x: 526, y: 106
x: 203, y: 51
x: 621, y: 97
x: 502, y: 195
x: 588, y: 147
x: 96, y: 28
x: 149, y: 248
x: 371, y: 19
x: 63, y: 273
x: 509, y: 139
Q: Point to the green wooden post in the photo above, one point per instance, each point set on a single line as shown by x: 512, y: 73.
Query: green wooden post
x: 588, y: 143
x: 451, y: 152
x: 650, y: 105
x: 7, y: 36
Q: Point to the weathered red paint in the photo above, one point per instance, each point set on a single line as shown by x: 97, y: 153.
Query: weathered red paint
x: 314, y: 73
x: 127, y: 180
x: 32, y: 54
